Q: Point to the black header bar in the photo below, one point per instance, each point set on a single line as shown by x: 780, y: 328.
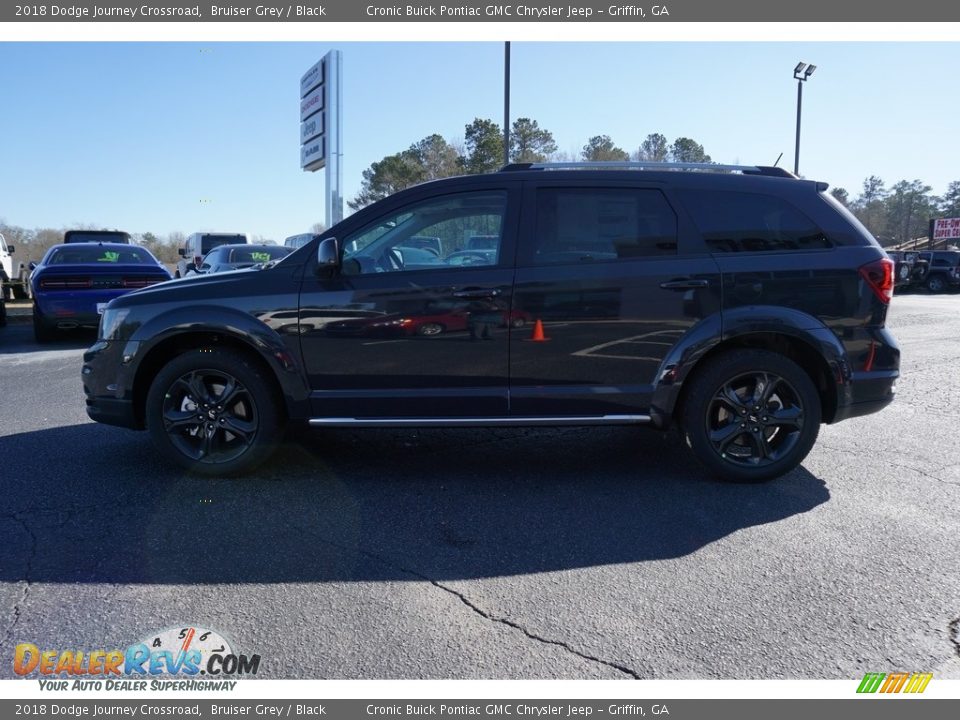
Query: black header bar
x: 332, y: 11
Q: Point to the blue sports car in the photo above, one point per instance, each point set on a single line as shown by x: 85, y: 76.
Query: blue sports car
x: 73, y: 283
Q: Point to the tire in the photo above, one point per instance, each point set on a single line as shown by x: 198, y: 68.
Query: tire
x: 3, y: 313
x: 726, y: 432
x: 517, y: 323
x: 42, y: 333
x: 192, y: 426
x: 935, y: 284
x: 430, y: 329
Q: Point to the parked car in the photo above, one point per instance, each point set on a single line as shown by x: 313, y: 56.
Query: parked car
x: 298, y: 241
x: 742, y: 305
x: 96, y: 236
x: 197, y: 245
x: 940, y: 271
x: 14, y: 274
x: 903, y: 270
x: 73, y: 283
x: 238, y: 257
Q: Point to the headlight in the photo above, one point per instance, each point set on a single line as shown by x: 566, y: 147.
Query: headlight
x: 110, y: 322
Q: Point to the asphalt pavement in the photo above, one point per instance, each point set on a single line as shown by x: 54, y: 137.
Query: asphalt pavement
x: 508, y: 553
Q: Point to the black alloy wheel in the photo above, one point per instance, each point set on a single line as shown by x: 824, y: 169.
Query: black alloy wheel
x: 212, y: 412
x: 751, y: 415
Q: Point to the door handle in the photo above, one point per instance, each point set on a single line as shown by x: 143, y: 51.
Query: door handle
x: 685, y: 284
x: 476, y: 293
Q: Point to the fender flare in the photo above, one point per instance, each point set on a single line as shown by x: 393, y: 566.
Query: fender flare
x: 236, y: 325
x: 714, y: 331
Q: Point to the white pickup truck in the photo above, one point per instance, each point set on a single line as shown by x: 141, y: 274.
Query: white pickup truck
x: 14, y: 276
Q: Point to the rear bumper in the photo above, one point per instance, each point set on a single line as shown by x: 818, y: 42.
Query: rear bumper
x: 867, y: 392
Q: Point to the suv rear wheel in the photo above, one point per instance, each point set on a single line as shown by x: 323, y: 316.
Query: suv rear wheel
x: 751, y: 415
x: 212, y: 412
x: 935, y: 284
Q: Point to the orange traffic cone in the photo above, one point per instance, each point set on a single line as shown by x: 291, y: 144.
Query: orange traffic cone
x: 538, y: 335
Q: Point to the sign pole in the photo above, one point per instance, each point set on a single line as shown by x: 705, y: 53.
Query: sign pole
x: 334, y: 167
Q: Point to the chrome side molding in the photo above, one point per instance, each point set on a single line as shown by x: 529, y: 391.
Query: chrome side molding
x: 480, y: 422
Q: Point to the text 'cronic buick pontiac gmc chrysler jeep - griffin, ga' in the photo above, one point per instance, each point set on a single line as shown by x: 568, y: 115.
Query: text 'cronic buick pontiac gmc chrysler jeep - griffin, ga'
x: 741, y: 304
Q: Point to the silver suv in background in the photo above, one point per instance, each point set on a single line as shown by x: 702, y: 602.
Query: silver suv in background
x: 199, y: 244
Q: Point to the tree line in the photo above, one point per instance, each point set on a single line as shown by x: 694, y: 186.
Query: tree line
x: 901, y: 212
x: 33, y: 244
x: 893, y: 214
x: 482, y: 151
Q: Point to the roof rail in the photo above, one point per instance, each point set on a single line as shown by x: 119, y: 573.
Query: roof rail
x: 643, y: 165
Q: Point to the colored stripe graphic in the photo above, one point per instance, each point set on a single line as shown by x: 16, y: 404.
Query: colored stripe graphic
x: 870, y: 682
x: 913, y: 683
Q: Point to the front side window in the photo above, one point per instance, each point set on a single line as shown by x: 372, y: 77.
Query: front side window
x: 430, y: 235
x: 577, y: 225
x: 748, y: 222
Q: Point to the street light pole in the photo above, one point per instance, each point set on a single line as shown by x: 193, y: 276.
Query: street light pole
x: 801, y: 74
x: 796, y: 152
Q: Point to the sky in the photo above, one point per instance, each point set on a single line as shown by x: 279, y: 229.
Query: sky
x: 168, y: 137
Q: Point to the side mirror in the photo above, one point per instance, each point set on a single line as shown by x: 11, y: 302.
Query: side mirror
x: 32, y: 266
x: 10, y: 249
x: 181, y: 252
x: 328, y: 254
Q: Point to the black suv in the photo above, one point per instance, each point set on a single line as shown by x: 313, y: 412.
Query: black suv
x: 741, y: 304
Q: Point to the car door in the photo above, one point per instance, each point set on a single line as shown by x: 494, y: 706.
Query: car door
x: 396, y: 331
x: 606, y: 280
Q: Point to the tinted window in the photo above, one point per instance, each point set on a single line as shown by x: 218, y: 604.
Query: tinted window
x: 209, y: 242
x: 100, y: 255
x: 746, y: 222
x: 94, y: 236
x: 424, y: 235
x: 587, y: 225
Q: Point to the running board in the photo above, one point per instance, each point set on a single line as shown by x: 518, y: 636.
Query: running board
x: 481, y: 422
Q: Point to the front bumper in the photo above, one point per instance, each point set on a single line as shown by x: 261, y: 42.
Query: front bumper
x: 108, y: 385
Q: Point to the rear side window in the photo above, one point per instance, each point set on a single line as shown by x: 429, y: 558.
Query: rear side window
x: 602, y: 224
x: 747, y: 222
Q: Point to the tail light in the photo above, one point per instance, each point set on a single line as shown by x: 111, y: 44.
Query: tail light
x: 879, y: 276
x: 141, y: 282
x: 65, y: 283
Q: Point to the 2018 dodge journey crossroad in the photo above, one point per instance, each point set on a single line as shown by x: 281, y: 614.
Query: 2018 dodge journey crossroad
x: 741, y: 304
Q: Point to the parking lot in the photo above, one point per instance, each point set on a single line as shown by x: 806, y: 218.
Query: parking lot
x: 521, y: 553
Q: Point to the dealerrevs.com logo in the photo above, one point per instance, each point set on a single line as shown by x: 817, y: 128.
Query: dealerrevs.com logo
x: 892, y: 683
x: 180, y: 658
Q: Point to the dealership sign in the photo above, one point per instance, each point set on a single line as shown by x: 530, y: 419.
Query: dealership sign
x: 946, y: 229
x: 312, y: 153
x: 311, y: 127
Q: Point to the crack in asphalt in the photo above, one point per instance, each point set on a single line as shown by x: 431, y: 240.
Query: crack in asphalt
x: 476, y: 609
x: 954, y: 628
x: 924, y: 473
x: 18, y: 605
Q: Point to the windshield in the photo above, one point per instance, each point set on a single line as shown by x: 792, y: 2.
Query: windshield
x: 257, y: 254
x: 209, y: 242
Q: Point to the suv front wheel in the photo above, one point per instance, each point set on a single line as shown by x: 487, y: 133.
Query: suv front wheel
x: 212, y: 412
x: 751, y: 415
